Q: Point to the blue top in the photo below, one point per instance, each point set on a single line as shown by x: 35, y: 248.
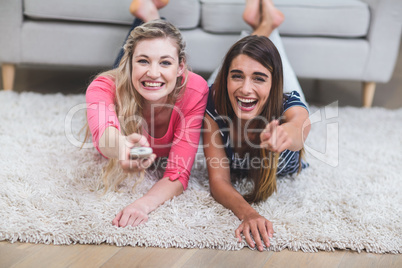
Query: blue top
x: 288, y: 162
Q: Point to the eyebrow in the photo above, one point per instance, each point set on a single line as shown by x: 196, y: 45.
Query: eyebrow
x: 255, y: 73
x: 163, y: 57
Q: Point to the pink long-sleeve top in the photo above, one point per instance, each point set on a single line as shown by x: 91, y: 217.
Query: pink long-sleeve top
x: 179, y: 144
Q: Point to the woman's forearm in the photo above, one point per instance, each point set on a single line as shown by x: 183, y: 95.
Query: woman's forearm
x: 162, y: 191
x: 109, y: 142
x: 297, y: 126
x: 137, y: 212
x: 295, y: 134
x: 225, y: 194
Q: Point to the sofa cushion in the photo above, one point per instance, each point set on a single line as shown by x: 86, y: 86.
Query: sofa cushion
x: 185, y: 14
x: 339, y: 18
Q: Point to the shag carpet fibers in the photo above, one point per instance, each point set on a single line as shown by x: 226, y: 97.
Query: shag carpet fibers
x: 348, y: 198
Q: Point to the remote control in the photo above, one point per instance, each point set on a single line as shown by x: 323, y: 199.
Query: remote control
x: 140, y: 152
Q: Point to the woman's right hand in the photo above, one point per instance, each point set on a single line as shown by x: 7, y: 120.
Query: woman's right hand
x: 125, y: 145
x: 256, y: 225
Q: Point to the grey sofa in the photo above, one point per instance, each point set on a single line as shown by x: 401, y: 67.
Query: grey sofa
x: 324, y: 39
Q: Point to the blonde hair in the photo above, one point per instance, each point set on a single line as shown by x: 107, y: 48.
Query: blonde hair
x: 128, y: 101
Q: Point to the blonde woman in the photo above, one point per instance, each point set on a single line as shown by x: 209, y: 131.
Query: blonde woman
x: 149, y: 100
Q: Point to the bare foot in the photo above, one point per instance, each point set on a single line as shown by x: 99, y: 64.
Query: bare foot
x: 252, y: 13
x: 147, y: 10
x: 160, y: 3
x: 271, y: 18
x: 275, y: 14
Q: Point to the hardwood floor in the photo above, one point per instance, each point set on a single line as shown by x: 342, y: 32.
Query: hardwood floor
x: 32, y: 255
x: 46, y: 80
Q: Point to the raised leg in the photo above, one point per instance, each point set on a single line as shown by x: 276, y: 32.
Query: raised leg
x: 262, y: 16
x: 252, y: 13
x: 147, y: 10
x: 8, y: 72
x: 368, y: 93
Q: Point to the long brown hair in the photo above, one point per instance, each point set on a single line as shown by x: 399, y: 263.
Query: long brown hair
x: 128, y: 101
x: 262, y: 50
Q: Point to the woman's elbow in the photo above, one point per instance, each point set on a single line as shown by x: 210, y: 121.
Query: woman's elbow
x: 306, y: 129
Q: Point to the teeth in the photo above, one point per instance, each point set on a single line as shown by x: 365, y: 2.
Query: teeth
x: 152, y: 84
x: 246, y: 100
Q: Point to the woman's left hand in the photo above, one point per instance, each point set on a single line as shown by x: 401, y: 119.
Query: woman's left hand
x: 137, y: 212
x: 259, y: 227
x: 134, y: 214
x: 275, y: 138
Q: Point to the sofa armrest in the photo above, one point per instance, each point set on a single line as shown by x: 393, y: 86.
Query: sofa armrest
x: 384, y: 37
x: 11, y: 16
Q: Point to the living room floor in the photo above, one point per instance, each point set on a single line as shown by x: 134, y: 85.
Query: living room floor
x: 319, y: 93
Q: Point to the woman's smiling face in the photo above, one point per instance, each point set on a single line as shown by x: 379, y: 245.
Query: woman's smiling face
x: 249, y: 84
x: 155, y: 69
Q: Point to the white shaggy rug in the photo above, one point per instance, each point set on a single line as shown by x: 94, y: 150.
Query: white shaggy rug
x: 349, y: 198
